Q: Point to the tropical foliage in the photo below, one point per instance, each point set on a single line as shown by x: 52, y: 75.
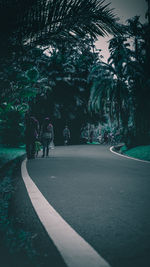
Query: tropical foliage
x: 109, y: 91
x: 121, y: 88
x: 45, y: 21
x: 11, y: 124
x: 67, y: 70
x: 50, y: 66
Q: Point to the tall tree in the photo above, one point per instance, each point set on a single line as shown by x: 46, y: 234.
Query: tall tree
x: 128, y: 76
x: 109, y: 91
x: 139, y: 78
x: 67, y: 70
x: 135, y: 33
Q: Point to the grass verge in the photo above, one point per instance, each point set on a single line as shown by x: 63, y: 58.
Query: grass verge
x: 16, y: 244
x: 139, y: 152
x: 23, y: 240
x: 8, y: 154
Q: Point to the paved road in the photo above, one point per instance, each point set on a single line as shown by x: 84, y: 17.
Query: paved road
x: 104, y: 197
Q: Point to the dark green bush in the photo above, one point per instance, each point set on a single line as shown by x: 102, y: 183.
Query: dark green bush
x: 11, y: 124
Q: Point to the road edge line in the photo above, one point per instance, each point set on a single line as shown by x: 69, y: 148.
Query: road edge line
x: 111, y: 149
x: 75, y: 251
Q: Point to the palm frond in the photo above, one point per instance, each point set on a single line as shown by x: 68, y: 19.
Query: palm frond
x: 41, y: 20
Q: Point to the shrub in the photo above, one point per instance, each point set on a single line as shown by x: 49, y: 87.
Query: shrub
x: 11, y: 124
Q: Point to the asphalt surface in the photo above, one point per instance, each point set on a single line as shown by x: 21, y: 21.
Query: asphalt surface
x: 103, y: 196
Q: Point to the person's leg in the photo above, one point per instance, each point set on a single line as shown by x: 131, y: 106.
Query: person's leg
x: 44, y: 147
x: 33, y: 149
x: 47, y: 147
x: 47, y: 151
x: 65, y: 141
x: 36, y: 151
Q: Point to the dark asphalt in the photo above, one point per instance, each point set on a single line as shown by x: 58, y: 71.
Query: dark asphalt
x: 104, y: 197
x: 24, y: 218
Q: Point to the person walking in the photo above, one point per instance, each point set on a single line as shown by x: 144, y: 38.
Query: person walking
x: 31, y: 135
x: 47, y: 136
x: 66, y: 135
x: 91, y: 135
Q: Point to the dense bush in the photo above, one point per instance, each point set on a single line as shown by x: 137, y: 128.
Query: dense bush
x: 11, y: 124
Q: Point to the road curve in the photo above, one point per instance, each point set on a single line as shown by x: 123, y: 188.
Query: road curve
x: 102, y: 196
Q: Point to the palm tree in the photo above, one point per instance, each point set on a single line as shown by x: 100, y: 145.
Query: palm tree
x: 148, y: 11
x: 138, y: 70
x: 135, y: 30
x: 45, y: 21
x: 147, y: 39
x: 24, y: 24
x: 102, y: 82
x: 120, y: 55
x: 109, y: 90
x: 130, y: 85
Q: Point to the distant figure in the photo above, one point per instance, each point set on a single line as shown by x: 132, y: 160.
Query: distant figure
x: 91, y: 135
x: 31, y: 135
x: 83, y: 135
x: 47, y: 136
x: 99, y: 138
x: 105, y: 137
x: 66, y: 135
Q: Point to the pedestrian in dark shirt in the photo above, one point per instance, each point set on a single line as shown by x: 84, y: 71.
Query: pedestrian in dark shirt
x: 31, y: 135
x: 91, y: 135
x: 47, y: 136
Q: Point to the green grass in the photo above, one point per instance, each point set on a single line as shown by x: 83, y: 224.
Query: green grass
x: 139, y: 152
x: 93, y: 143
x: 18, y: 246
x: 8, y: 154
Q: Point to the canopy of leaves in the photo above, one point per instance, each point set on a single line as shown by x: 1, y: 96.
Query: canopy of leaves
x: 121, y: 88
x: 41, y: 21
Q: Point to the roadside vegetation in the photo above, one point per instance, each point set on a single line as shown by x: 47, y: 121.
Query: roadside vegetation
x: 16, y: 243
x: 8, y: 154
x: 139, y: 152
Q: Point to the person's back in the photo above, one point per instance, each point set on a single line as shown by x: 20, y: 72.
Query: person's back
x: 31, y: 135
x: 47, y: 135
x: 47, y: 130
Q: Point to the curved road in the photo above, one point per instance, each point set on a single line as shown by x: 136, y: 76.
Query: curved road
x: 105, y: 198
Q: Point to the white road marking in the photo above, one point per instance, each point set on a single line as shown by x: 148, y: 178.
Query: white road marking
x: 75, y: 251
x: 111, y: 149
